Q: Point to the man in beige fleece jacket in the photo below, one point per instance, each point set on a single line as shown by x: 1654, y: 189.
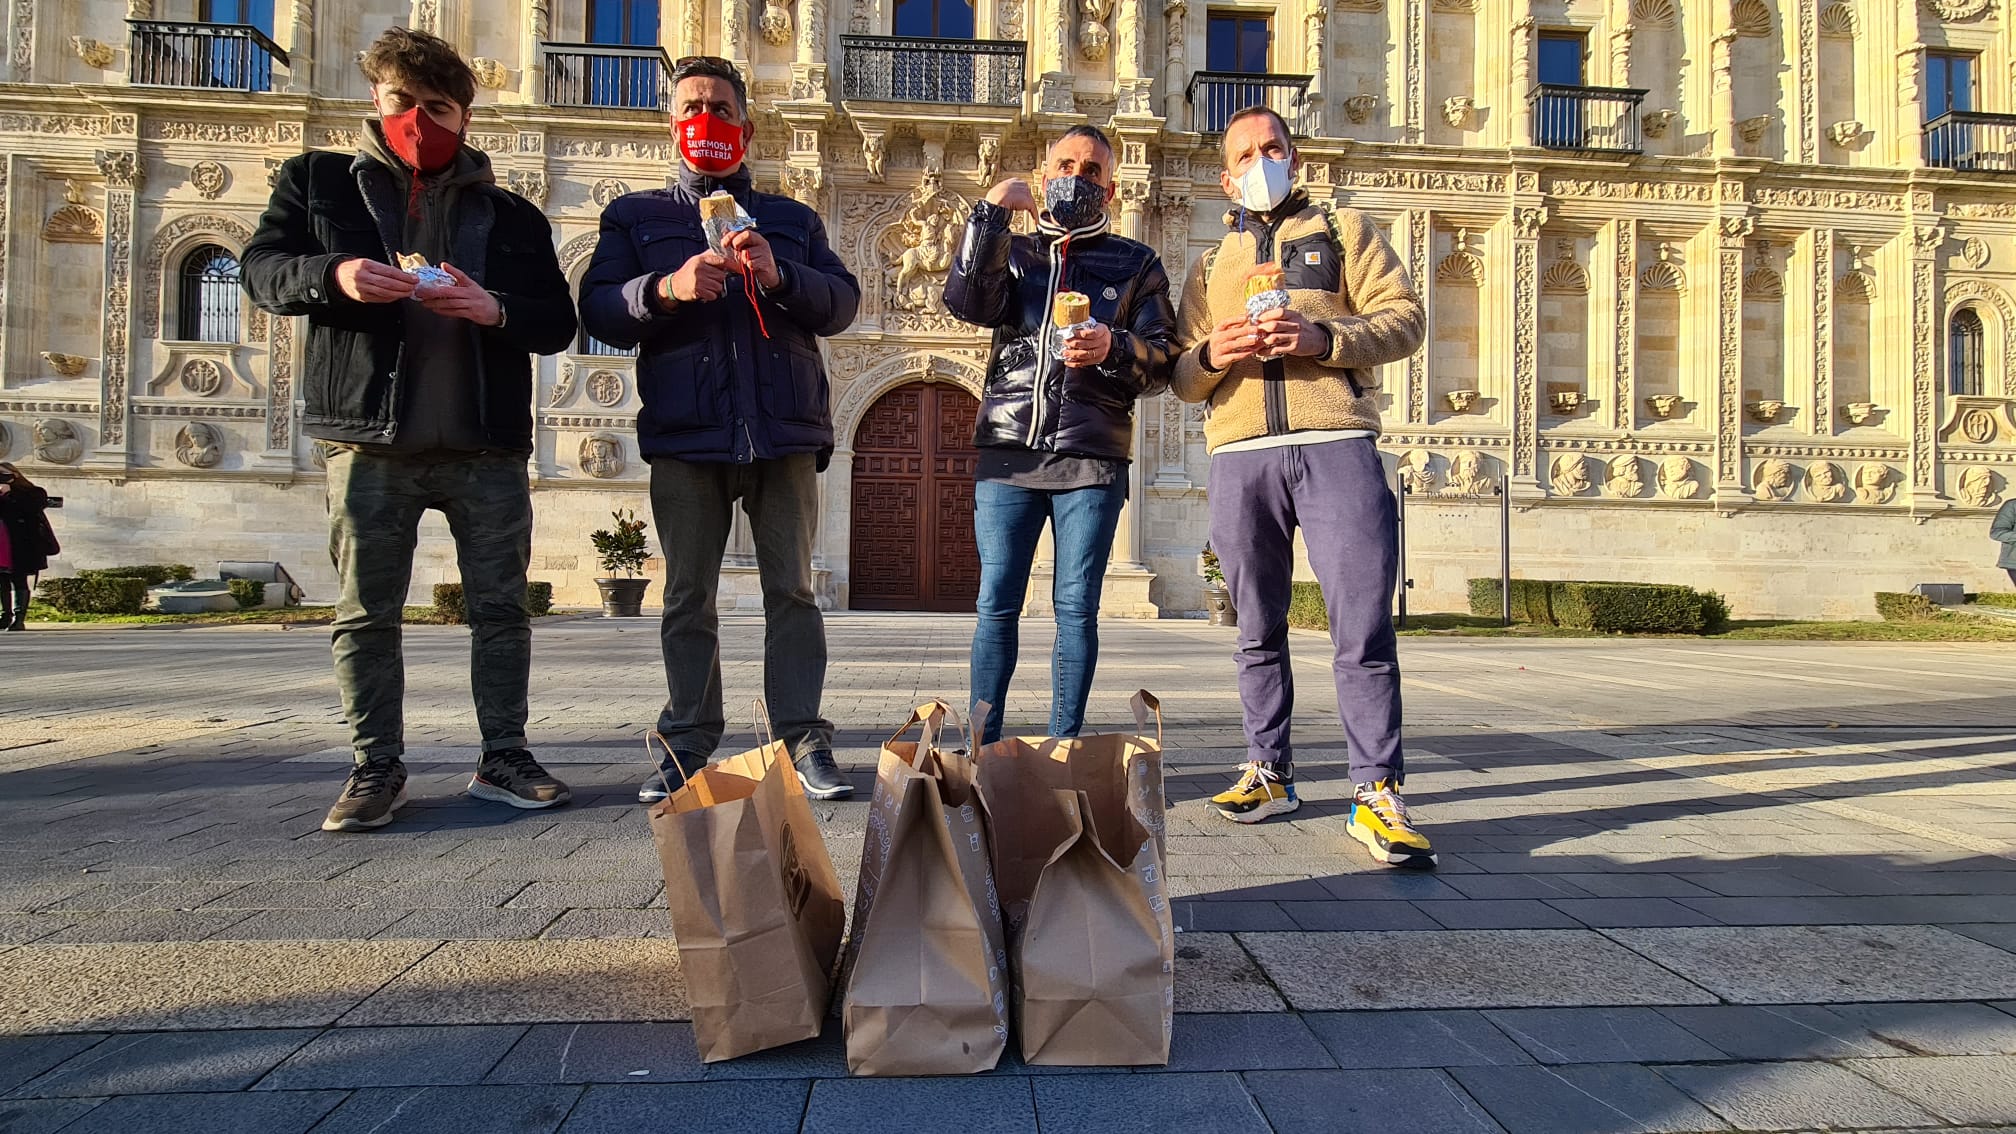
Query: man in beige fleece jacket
x: 1294, y: 414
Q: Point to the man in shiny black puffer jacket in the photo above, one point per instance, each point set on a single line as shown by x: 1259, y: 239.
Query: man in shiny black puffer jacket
x: 1056, y: 425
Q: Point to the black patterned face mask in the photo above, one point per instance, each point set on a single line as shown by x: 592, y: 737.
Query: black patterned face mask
x: 1074, y: 202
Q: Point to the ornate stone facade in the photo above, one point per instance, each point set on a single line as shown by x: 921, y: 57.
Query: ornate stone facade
x: 1702, y: 363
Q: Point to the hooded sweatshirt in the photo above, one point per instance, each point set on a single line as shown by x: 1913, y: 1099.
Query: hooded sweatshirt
x: 439, y: 403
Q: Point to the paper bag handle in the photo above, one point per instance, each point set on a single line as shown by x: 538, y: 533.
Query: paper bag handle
x: 930, y: 714
x: 1144, y: 703
x: 764, y: 737
x: 684, y: 779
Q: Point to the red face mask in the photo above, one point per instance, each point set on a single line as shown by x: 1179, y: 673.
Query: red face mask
x: 708, y: 144
x: 421, y: 142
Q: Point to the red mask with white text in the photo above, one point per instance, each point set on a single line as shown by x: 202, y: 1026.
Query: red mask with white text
x: 422, y: 143
x: 709, y: 145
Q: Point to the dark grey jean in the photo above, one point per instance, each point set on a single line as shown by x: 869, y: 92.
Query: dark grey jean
x: 693, y: 505
x: 1336, y: 493
x: 375, y: 504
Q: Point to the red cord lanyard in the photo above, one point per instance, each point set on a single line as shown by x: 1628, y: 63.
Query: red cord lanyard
x: 749, y: 286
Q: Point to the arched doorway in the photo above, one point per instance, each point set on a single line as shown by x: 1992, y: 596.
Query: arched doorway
x: 912, y: 544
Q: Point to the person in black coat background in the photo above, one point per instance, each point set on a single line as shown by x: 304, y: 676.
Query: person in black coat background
x: 23, y: 522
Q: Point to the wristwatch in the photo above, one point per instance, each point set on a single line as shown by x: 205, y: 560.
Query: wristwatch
x: 503, y: 315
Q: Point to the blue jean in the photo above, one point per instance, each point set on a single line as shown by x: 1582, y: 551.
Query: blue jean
x: 1008, y: 523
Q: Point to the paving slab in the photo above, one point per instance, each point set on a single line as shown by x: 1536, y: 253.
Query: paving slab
x: 1958, y: 1088
x: 237, y: 1112
x: 754, y: 1107
x: 169, y: 1063
x: 1829, y: 964
x: 999, y: 1105
x: 393, y: 1057
x: 545, y: 981
x: 1215, y: 974
x: 195, y: 986
x: 24, y: 1057
x: 1600, y: 1035
x: 452, y: 1110
x: 1958, y: 1028
x: 1367, y: 1102
x: 602, y: 1053
x: 1505, y: 968
x: 471, y: 925
x: 1779, y: 1031
x: 1146, y: 1104
x: 1244, y: 1041
x: 1605, y: 1098
x: 1455, y: 1038
x: 42, y: 1116
x: 1790, y: 1096
x: 821, y: 1058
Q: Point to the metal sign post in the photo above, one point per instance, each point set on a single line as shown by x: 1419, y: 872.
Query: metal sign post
x: 1400, y: 580
x: 1504, y: 555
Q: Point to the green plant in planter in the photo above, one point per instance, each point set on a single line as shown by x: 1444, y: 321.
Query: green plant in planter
x: 622, y: 549
x: 1214, y: 576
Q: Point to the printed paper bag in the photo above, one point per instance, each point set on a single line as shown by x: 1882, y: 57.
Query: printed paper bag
x: 755, y: 903
x: 1078, y: 859
x: 926, y: 990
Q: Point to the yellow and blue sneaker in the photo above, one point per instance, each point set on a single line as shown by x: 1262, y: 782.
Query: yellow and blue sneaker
x: 1262, y: 791
x: 1379, y: 820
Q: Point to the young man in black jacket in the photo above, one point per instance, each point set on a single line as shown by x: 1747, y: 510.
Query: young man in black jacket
x: 1056, y: 426
x: 735, y: 408
x: 419, y: 390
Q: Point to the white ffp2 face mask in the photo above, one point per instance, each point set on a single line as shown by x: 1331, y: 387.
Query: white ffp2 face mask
x: 1264, y: 185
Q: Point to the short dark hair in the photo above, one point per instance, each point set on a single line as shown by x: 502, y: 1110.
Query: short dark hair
x: 416, y: 57
x: 712, y: 67
x: 1092, y: 132
x: 1258, y: 111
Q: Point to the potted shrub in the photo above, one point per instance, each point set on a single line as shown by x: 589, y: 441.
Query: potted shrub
x: 1217, y: 599
x: 623, y: 550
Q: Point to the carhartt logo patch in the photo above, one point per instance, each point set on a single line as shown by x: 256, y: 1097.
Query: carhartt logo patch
x: 1312, y: 258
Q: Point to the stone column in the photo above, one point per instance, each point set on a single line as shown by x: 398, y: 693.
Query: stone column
x: 1928, y: 234
x: 301, y: 46
x: 692, y: 27
x: 1722, y: 50
x: 1420, y: 253
x: 1806, y: 79
x: 1526, y: 224
x: 1413, y: 93
x: 426, y: 16
x: 1910, y: 116
x: 1819, y: 420
x: 735, y: 30
x: 1315, y: 48
x: 123, y: 178
x: 1523, y: 26
x: 1733, y: 235
x: 1624, y: 253
x: 1175, y: 69
x: 21, y: 41
x: 1129, y: 538
x: 532, y: 67
x: 1172, y: 470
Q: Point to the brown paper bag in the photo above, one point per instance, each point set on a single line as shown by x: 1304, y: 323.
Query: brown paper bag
x: 755, y: 903
x: 926, y: 984
x: 1078, y: 858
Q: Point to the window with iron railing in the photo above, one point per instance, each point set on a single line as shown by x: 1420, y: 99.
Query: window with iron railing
x: 590, y: 345
x: 945, y: 72
x: 203, y: 56
x: 207, y: 298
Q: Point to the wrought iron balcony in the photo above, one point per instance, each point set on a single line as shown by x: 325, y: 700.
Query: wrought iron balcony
x: 610, y: 75
x: 225, y: 57
x: 1971, y: 142
x: 951, y: 72
x: 1215, y: 96
x: 1604, y: 119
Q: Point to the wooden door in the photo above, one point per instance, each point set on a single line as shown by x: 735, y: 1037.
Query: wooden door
x: 912, y: 546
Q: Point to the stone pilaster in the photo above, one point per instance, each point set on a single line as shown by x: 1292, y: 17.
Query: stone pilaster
x: 123, y: 179
x: 1527, y: 220
x: 1721, y: 52
x: 532, y: 68
x: 1523, y: 46
x: 1820, y: 393
x: 1315, y: 53
x: 1624, y: 314
x: 1928, y: 234
x: 692, y: 27
x: 1420, y: 249
x: 1175, y: 67
x: 1806, y: 79
x: 735, y: 32
x: 1413, y: 79
x: 1732, y: 235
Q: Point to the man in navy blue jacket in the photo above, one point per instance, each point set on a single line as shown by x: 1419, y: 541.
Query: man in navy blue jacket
x: 734, y: 408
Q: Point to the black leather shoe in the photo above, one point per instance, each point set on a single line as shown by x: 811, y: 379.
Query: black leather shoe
x: 656, y: 788
x: 821, y: 776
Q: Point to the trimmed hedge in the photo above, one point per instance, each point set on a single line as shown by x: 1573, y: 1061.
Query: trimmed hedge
x: 250, y: 593
x: 102, y: 595
x: 1899, y: 606
x: 1609, y: 608
x: 155, y: 574
x: 2000, y: 599
x: 451, y: 607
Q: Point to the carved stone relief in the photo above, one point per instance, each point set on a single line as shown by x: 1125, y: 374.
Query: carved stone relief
x: 56, y: 442
x: 1467, y: 476
x: 1570, y: 474
x: 602, y: 456
x: 1875, y: 483
x: 1839, y: 20
x: 1979, y: 487
x: 1419, y: 470
x: 1677, y: 479
x: 491, y: 74
x: 1776, y: 479
x: 199, y: 445
x: 605, y: 388
x: 1622, y: 478
x: 1974, y: 250
x: 66, y: 365
x: 74, y: 222
x: 202, y: 377
x: 916, y: 253
x: 1824, y: 482
x: 210, y: 179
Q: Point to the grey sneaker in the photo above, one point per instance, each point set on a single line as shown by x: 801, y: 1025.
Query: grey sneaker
x: 821, y: 776
x: 654, y: 789
x: 375, y: 790
x: 512, y: 776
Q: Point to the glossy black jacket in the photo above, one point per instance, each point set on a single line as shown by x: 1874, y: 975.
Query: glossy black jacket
x: 1033, y: 401
x: 713, y: 387
x: 330, y: 207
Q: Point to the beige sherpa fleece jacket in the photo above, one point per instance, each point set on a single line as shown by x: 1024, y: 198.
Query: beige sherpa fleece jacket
x: 1349, y: 281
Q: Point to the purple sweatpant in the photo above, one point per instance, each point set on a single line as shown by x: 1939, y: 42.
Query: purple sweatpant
x: 1336, y: 492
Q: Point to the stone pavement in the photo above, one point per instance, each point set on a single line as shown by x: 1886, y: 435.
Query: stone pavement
x: 1685, y: 886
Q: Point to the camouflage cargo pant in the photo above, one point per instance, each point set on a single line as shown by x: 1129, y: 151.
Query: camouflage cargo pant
x: 375, y: 504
